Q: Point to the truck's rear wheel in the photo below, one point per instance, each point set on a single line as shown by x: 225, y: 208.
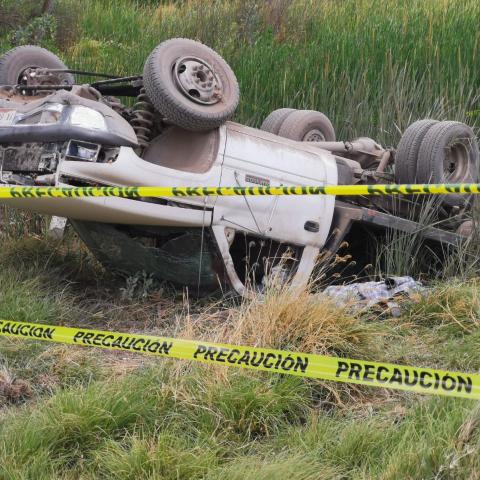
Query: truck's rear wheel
x: 406, y: 156
x: 449, y: 154
x: 190, y: 84
x: 274, y: 121
x: 307, y: 126
x: 17, y: 63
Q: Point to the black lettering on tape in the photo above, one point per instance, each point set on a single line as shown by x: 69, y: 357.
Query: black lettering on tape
x: 392, y: 189
x: 211, y: 351
x: 208, y: 191
x: 453, y: 383
x: 117, y: 343
x: 245, y: 358
x: 165, y: 348
x: 200, y: 349
x: 341, y: 368
x: 222, y: 354
x: 283, y: 361
x: 14, y: 193
x: 78, y: 336
x: 414, y: 381
x: 464, y: 384
x: 178, y: 192
x: 48, y: 333
x: 24, y: 330
x: 88, y: 337
x: 106, y: 341
x: 152, y: 348
x: 411, y: 189
x: 381, y: 369
x: 129, y: 342
x: 422, y: 382
x: 355, y: 369
x: 37, y: 332
x: 194, y: 191
x: 288, y: 363
x: 374, y: 189
x: 135, y: 344
x: 254, y: 362
x: 396, y: 377
x: 27, y: 192
x: 230, y: 358
x: 268, y: 356
x: 279, y: 360
x: 14, y: 329
x: 368, y: 372
x: 302, y: 364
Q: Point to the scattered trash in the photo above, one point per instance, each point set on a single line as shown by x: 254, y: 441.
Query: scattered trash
x: 368, y: 294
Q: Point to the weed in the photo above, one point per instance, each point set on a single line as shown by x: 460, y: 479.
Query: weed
x: 454, y: 305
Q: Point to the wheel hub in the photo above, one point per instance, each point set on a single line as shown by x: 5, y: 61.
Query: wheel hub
x: 198, y: 81
x: 36, y: 76
x: 456, y: 164
x: 314, y: 135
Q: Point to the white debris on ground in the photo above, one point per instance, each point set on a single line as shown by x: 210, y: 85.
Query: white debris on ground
x: 57, y: 227
x: 368, y: 294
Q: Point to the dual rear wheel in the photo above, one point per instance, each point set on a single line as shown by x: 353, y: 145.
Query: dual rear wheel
x: 438, y: 152
x: 300, y: 125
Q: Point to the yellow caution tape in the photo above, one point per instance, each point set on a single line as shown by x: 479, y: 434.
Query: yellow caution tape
x: 377, y: 374
x: 145, y: 192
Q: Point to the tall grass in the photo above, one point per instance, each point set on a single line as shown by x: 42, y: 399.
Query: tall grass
x: 372, y: 66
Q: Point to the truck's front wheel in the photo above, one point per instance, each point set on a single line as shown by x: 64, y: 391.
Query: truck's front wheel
x: 19, y: 62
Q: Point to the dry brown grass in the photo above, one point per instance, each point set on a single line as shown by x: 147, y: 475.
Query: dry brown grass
x: 12, y: 389
x: 286, y: 318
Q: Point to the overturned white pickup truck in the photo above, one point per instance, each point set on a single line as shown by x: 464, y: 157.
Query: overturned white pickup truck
x: 56, y: 132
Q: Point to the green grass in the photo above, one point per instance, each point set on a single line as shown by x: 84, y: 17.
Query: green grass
x: 157, y: 424
x: 92, y: 414
x: 373, y: 67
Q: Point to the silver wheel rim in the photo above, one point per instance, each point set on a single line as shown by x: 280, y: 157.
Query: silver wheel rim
x: 197, y: 80
x: 456, y: 163
x: 314, y: 135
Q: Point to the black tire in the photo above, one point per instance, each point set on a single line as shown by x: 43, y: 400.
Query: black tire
x: 307, y: 126
x: 274, y: 121
x: 17, y: 60
x: 162, y: 77
x: 449, y: 154
x: 406, y: 155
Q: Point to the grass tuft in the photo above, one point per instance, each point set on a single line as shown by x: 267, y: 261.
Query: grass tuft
x: 454, y: 306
